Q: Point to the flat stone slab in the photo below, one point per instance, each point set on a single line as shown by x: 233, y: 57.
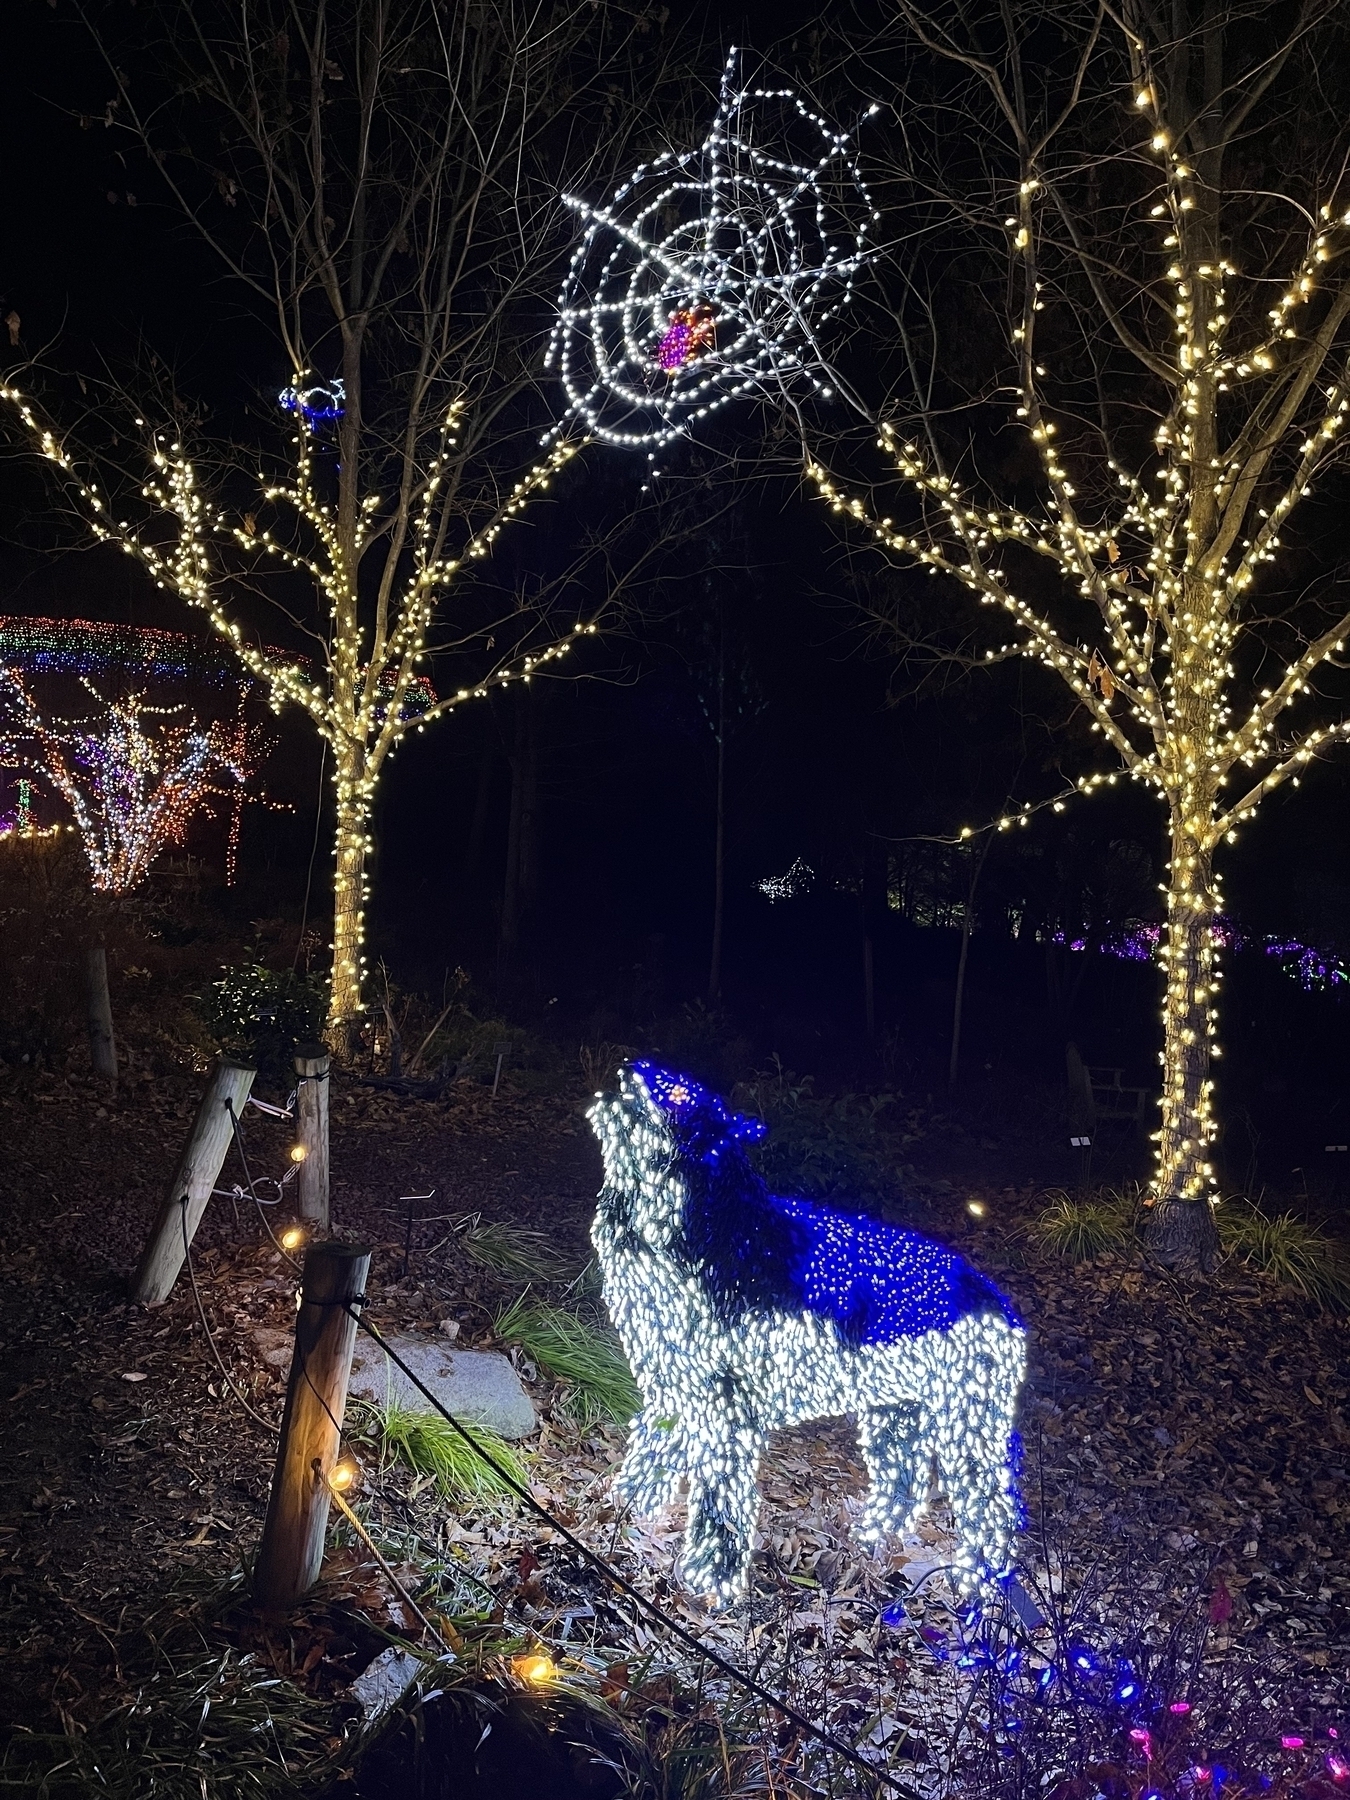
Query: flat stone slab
x: 478, y: 1386
x: 386, y: 1681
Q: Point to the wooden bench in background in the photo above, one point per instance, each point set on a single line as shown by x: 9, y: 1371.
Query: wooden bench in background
x: 1097, y: 1094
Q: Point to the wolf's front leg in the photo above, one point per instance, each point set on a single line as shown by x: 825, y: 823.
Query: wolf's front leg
x: 724, y: 1445
x: 975, y: 1446
x: 898, y: 1455
x: 654, y: 1464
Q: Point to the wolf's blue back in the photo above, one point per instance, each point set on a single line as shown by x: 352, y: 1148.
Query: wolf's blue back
x: 877, y: 1282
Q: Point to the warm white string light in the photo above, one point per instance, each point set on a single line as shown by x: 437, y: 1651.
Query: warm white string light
x: 710, y: 273
x: 363, y: 709
x: 743, y: 1312
x: 1168, y: 571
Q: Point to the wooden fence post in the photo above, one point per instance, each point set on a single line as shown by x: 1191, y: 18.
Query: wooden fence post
x: 186, y: 1196
x: 291, y: 1552
x: 311, y: 1131
x: 98, y: 1011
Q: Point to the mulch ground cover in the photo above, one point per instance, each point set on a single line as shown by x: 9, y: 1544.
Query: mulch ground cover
x: 1193, y: 1435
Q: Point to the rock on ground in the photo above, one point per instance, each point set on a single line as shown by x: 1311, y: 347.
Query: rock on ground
x: 478, y: 1386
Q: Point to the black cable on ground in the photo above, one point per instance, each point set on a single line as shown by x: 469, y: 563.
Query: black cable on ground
x: 611, y: 1574
x: 340, y: 1501
x: 268, y: 1426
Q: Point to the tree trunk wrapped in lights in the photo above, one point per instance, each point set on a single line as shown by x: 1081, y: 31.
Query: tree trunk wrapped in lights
x: 1175, y: 347
x: 380, y: 178
x: 349, y: 891
x: 1185, y: 1173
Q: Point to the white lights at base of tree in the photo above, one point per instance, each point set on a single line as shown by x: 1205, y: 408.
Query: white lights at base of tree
x: 743, y: 1312
x: 710, y: 273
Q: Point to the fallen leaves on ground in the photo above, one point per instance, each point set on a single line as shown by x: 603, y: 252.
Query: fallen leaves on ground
x: 1196, y: 1432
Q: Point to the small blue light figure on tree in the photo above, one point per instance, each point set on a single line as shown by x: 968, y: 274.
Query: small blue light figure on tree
x: 743, y: 1311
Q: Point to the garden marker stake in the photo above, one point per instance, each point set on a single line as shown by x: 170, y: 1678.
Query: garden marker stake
x: 189, y: 1190
x: 291, y: 1551
x: 311, y: 1132
x: 102, y: 1044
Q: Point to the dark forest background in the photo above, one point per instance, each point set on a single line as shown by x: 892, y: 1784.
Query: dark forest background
x: 559, y: 845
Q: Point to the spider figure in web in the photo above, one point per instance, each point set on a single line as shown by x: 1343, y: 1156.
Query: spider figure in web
x: 709, y: 274
x: 744, y: 1311
x: 689, y: 332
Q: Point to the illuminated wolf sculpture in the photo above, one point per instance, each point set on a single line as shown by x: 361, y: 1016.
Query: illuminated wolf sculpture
x: 742, y: 1311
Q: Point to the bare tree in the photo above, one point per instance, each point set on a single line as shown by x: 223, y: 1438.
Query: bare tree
x: 382, y: 178
x: 1121, y: 325
x: 730, y: 698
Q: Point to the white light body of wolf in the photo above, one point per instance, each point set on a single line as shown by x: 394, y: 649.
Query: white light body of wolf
x: 743, y: 1311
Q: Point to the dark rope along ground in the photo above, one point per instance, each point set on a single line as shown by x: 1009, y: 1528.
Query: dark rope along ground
x: 351, y: 1304
x: 611, y: 1574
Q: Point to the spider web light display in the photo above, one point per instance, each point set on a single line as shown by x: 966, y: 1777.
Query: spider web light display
x: 710, y: 273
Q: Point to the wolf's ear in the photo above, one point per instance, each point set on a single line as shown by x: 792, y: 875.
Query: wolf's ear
x: 672, y: 1097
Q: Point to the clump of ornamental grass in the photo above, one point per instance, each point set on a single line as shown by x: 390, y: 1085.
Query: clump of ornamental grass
x: 193, y: 1717
x: 509, y: 1251
x: 1077, y: 1227
x: 587, y: 1357
x: 430, y: 1445
x: 1287, y: 1248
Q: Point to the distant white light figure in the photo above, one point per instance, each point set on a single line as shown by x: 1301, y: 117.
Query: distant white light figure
x: 320, y: 401
x: 797, y: 880
x: 709, y: 274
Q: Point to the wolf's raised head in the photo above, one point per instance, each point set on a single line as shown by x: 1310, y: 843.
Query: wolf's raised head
x: 658, y: 1121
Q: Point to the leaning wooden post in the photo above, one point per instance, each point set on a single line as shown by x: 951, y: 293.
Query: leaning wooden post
x: 186, y: 1196
x: 291, y: 1552
x: 98, y: 1011
x: 311, y: 1131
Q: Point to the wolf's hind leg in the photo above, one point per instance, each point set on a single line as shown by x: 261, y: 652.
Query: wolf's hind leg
x: 895, y: 1448
x: 974, y: 1447
x: 978, y: 1478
